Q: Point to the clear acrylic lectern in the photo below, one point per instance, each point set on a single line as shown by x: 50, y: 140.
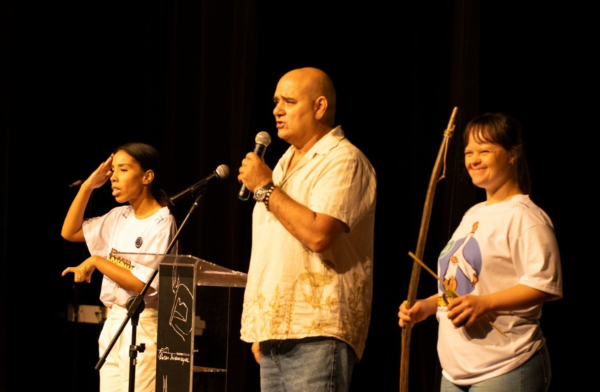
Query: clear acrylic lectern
x: 178, y: 277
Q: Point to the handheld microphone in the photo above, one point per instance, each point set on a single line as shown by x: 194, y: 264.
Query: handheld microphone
x: 220, y: 173
x: 263, y: 139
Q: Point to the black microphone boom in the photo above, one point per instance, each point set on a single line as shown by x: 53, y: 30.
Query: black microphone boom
x: 220, y: 173
x: 262, y: 139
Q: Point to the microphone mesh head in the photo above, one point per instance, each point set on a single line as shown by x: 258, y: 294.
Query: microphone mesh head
x: 222, y: 171
x: 263, y: 138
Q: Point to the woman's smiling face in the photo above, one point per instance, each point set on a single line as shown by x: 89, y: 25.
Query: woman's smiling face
x: 488, y: 164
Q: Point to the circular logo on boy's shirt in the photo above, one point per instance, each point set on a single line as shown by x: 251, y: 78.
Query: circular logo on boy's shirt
x: 138, y: 242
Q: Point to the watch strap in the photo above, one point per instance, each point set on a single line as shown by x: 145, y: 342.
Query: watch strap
x: 269, y: 189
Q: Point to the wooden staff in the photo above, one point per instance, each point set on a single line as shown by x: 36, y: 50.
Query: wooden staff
x: 416, y: 269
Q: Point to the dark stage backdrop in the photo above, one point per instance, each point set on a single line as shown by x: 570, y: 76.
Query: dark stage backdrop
x: 196, y: 79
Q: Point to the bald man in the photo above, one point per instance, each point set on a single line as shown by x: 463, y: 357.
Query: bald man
x: 307, y: 303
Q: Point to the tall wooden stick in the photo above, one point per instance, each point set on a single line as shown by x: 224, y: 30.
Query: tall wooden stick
x: 416, y: 270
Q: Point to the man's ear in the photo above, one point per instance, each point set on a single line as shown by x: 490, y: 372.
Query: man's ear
x: 320, y: 107
x: 148, y: 177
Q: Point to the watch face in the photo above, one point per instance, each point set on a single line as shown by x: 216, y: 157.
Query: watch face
x: 259, y: 195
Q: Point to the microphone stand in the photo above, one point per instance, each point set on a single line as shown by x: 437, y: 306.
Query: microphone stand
x: 135, y: 306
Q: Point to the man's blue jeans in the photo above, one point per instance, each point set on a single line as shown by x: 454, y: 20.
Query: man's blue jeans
x: 319, y: 364
x: 533, y: 376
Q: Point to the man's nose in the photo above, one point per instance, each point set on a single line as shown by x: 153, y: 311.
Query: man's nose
x: 277, y: 110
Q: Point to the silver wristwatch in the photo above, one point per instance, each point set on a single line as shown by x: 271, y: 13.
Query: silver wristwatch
x: 262, y: 194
